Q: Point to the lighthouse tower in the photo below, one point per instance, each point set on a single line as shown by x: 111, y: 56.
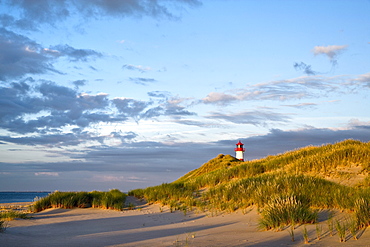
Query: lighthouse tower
x: 239, y: 150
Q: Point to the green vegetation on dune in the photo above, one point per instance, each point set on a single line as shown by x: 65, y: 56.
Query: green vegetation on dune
x: 311, y: 177
x: 114, y: 199
x: 287, y: 210
x: 220, y: 162
x: 11, y: 214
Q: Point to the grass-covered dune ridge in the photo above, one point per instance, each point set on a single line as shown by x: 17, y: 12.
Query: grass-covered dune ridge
x: 114, y: 199
x: 333, y: 176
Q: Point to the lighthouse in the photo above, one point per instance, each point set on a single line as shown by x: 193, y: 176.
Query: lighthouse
x: 239, y: 151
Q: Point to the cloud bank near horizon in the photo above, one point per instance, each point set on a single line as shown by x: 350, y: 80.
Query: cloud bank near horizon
x: 120, y: 166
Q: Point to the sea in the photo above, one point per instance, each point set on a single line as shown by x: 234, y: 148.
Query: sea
x: 10, y: 197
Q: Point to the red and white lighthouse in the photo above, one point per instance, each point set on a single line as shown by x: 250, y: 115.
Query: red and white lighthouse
x: 239, y: 151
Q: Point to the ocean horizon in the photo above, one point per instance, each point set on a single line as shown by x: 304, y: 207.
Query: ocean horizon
x: 21, y: 196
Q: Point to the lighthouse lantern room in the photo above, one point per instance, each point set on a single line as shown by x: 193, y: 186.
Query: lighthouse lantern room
x: 239, y: 150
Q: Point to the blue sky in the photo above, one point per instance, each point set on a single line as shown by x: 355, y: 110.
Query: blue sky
x: 129, y: 94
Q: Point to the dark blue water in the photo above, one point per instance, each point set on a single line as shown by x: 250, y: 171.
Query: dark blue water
x: 8, y: 197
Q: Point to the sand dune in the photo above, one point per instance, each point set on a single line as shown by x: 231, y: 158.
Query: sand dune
x: 151, y: 225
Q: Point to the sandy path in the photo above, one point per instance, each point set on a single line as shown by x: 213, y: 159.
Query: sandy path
x: 148, y: 226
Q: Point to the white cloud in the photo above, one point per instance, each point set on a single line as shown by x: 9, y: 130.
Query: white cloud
x: 354, y: 122
x: 295, y: 88
x: 331, y: 50
x: 219, y: 98
x: 301, y: 105
x: 139, y: 68
x: 51, y: 52
x: 112, y: 178
x: 363, y: 78
x: 108, y: 178
x: 257, y: 118
x: 53, y: 174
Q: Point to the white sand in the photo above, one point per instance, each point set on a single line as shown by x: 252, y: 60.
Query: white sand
x: 148, y: 226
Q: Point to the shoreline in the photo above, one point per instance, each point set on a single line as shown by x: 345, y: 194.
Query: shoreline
x: 16, y: 203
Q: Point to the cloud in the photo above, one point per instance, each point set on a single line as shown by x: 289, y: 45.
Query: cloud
x: 355, y: 123
x: 136, y: 68
x: 302, y: 105
x: 127, y: 8
x: 173, y: 108
x: 46, y: 106
x: 31, y: 14
x: 21, y: 56
x: 51, y: 12
x: 281, y: 90
x: 73, y: 54
x: 15, y: 101
x: 362, y: 80
x: 331, y: 51
x: 53, y: 140
x: 137, y: 109
x: 115, y: 178
x: 131, y: 107
x: 306, y: 68
x: 45, y: 113
x: 53, y: 174
x: 124, y: 136
x: 159, y: 94
x: 257, y: 118
x: 108, y: 178
x: 219, y: 98
x: 79, y: 83
x: 142, y: 81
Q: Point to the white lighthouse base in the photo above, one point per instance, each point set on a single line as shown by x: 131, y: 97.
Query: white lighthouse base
x: 239, y: 155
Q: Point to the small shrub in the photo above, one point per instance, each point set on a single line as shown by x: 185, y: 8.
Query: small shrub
x: 318, y: 231
x: 284, y: 211
x: 184, y: 210
x: 291, y: 232
x: 362, y: 212
x: 131, y: 206
x: 305, y: 235
x: 353, y: 227
x: 341, y: 229
x: 330, y: 224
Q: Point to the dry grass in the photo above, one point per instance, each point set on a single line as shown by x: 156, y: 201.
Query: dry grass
x: 333, y: 176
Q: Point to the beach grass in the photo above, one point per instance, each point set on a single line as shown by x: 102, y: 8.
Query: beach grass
x: 113, y: 199
x: 12, y: 214
x: 305, y: 235
x: 341, y: 228
x: 362, y: 212
x: 286, y: 210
